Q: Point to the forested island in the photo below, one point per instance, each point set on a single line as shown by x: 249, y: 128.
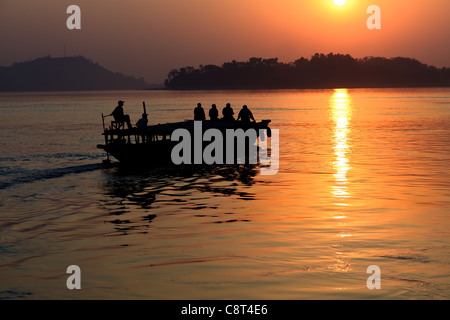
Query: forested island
x: 64, y: 74
x: 320, y: 71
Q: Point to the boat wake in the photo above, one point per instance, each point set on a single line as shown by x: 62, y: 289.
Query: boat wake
x: 14, y: 175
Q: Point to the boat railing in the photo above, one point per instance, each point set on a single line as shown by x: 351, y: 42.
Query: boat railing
x: 116, y: 132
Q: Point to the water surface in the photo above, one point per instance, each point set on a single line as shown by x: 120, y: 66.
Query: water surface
x: 363, y: 180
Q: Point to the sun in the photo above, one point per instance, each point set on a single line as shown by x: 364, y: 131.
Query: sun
x: 339, y: 2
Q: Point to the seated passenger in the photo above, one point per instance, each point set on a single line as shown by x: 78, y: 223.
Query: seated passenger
x: 228, y: 113
x: 199, y: 113
x: 245, y: 114
x: 142, y: 126
x: 142, y: 123
x: 119, y: 116
x: 213, y: 113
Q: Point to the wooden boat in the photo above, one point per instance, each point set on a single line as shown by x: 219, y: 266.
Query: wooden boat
x: 154, y: 145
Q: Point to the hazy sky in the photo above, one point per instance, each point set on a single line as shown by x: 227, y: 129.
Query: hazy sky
x: 148, y: 38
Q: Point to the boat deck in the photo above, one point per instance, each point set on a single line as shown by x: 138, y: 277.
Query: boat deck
x: 164, y: 131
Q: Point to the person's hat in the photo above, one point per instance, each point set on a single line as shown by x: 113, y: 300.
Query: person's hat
x: 121, y: 102
x: 144, y: 114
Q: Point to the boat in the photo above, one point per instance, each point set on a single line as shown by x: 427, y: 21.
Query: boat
x: 132, y: 146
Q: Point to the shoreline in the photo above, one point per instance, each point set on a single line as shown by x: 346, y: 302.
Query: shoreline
x: 240, y: 89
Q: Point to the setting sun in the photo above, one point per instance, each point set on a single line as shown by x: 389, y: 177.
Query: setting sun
x: 339, y: 2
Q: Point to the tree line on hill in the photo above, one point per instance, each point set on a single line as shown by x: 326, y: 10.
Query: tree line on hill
x: 64, y: 73
x: 320, y: 71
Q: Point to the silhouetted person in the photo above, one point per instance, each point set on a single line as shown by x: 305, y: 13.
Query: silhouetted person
x: 228, y: 113
x: 142, y: 122
x: 213, y: 113
x: 199, y: 113
x: 245, y: 114
x: 119, y: 116
x: 142, y: 126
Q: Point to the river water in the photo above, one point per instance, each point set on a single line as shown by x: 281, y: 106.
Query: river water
x: 363, y: 180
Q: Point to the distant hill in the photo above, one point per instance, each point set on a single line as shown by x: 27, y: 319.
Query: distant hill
x: 64, y: 74
x: 320, y: 71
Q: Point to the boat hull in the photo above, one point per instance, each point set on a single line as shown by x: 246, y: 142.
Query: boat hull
x: 158, y: 148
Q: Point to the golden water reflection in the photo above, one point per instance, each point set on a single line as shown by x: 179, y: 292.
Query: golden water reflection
x: 340, y: 114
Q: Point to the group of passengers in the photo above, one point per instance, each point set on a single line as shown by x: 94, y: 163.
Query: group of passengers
x: 228, y: 114
x: 199, y: 114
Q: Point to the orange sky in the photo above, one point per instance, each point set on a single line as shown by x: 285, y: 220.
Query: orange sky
x: 148, y: 38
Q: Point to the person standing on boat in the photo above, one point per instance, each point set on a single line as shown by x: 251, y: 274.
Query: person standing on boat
x: 199, y: 113
x: 142, y: 126
x: 245, y: 114
x: 119, y: 116
x: 228, y: 113
x: 213, y: 113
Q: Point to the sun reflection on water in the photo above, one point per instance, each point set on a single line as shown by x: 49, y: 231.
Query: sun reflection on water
x: 341, y: 111
x: 340, y: 114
